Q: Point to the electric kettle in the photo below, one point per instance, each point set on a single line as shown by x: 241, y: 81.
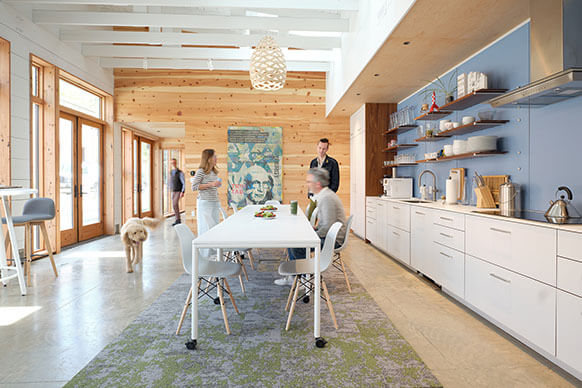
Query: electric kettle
x: 559, y: 207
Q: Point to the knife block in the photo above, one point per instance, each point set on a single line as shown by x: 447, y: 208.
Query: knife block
x: 484, y: 197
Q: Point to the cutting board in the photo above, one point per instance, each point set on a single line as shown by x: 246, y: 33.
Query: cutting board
x: 458, y: 175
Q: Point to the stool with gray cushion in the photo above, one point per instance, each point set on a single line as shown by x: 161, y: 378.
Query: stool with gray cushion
x: 36, y: 211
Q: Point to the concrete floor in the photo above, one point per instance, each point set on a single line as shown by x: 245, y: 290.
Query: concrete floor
x: 70, y: 319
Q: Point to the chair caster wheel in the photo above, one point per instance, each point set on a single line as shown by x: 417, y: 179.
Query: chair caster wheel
x: 191, y: 345
x: 217, y: 300
x: 320, y: 342
x: 306, y: 299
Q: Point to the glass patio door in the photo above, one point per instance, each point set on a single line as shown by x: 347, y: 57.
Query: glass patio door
x: 81, y: 179
x: 142, y: 177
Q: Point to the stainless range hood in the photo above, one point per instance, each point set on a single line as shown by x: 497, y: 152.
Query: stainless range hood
x: 555, y: 56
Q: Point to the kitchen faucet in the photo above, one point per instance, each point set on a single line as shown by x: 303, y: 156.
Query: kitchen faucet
x: 430, y: 188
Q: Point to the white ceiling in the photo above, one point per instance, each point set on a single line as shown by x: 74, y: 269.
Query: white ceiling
x: 160, y: 129
x: 153, y: 33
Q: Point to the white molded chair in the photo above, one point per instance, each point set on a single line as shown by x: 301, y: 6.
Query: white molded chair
x: 337, y: 258
x: 212, y: 272
x: 305, y: 267
x: 313, y: 219
x: 244, y: 251
x: 273, y: 202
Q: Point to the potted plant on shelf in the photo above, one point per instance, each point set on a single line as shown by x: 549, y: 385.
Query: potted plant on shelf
x: 439, y: 86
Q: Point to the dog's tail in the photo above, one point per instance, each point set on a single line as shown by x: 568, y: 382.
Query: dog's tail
x: 150, y: 222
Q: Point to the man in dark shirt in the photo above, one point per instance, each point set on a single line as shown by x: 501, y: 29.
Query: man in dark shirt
x: 177, y: 186
x: 323, y: 160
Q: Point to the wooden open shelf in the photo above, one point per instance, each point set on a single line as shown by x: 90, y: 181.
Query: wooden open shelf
x: 400, y: 147
x: 402, y: 165
x: 435, y: 115
x: 463, y: 129
x: 401, y: 128
x: 468, y: 155
x: 472, y: 99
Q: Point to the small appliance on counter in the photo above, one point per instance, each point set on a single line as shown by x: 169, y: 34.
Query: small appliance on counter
x: 561, y: 210
x: 397, y: 187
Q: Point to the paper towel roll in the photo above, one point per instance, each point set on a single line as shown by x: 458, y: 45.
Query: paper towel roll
x: 452, y: 191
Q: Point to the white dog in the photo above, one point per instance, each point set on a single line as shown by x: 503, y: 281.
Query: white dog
x: 133, y: 234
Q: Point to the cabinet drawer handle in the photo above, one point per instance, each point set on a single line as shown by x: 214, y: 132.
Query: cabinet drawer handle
x: 500, y: 278
x: 500, y: 230
x: 446, y: 219
x: 395, y: 207
x: 445, y: 255
x: 446, y: 235
x: 420, y: 214
x: 396, y: 234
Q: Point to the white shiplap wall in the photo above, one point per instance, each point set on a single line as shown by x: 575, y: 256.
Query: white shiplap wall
x: 27, y: 38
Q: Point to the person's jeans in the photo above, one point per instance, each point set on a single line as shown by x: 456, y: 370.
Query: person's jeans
x: 299, y: 253
x: 176, y: 204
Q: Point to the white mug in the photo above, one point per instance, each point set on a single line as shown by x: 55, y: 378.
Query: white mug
x: 467, y: 120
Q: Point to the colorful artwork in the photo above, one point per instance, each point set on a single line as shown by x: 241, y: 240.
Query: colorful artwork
x: 255, y: 165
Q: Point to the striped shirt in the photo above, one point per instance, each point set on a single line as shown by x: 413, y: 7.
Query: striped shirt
x: 209, y: 194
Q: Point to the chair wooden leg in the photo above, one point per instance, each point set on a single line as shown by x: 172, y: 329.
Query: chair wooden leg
x: 242, y: 284
x: 295, y: 280
x: 49, y: 249
x: 239, y: 260
x: 184, y: 310
x: 345, y: 274
x: 28, y: 250
x: 292, y: 307
x: 223, y: 307
x: 251, y: 259
x: 230, y: 295
x: 327, y: 298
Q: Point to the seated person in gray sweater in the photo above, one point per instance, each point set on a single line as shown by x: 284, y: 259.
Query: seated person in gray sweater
x: 331, y: 210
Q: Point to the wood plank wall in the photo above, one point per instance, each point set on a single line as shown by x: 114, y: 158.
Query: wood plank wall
x: 4, y: 112
x: 209, y: 102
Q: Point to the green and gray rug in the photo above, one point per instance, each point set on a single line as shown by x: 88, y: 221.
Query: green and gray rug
x: 366, y: 350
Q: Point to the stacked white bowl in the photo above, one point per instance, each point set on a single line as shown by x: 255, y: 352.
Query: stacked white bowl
x: 481, y: 143
x: 459, y: 147
x: 448, y: 149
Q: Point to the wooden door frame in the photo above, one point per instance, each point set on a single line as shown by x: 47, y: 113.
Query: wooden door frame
x: 69, y: 236
x: 93, y: 230
x: 141, y: 140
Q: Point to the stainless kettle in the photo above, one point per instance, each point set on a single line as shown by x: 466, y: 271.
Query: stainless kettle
x: 559, y: 207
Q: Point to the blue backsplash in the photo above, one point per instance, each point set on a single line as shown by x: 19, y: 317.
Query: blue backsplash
x: 544, y: 145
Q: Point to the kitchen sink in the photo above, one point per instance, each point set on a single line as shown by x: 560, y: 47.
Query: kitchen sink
x: 415, y: 201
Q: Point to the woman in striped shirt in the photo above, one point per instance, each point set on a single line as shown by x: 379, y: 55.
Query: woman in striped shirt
x: 207, y: 182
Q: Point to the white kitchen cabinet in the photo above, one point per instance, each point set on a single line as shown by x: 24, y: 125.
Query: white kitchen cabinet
x: 570, y: 245
x: 521, y: 304
x: 450, y: 271
x: 522, y: 248
x: 450, y: 219
x: 399, y: 244
x: 570, y: 276
x: 371, y: 231
x: 421, y: 240
x: 451, y: 238
x: 381, y: 234
x: 569, y: 330
x: 399, y: 215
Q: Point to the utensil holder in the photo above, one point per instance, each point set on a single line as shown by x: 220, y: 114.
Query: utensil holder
x: 484, y: 197
x: 494, y: 182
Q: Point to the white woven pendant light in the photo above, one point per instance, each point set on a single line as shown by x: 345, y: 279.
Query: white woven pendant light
x: 268, y: 67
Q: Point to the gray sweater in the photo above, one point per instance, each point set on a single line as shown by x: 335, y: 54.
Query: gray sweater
x: 331, y: 210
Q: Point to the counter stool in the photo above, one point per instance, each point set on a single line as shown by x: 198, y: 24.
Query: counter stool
x: 36, y: 211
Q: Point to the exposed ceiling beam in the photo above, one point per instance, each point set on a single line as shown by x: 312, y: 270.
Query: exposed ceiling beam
x: 100, y: 36
x: 197, y: 64
x: 72, y: 18
x: 323, y: 5
x: 197, y: 53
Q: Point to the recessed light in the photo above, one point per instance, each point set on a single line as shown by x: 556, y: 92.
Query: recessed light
x: 377, y: 75
x: 406, y: 43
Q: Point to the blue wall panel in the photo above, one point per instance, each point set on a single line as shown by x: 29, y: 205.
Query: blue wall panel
x: 544, y: 145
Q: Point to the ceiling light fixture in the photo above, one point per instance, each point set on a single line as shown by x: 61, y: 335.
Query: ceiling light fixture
x: 144, y: 64
x: 268, y: 69
x: 210, y: 64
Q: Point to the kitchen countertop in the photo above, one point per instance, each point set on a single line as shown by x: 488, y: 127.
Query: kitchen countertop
x: 470, y: 210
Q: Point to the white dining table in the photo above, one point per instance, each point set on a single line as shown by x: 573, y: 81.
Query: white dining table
x: 243, y: 229
x: 16, y: 267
